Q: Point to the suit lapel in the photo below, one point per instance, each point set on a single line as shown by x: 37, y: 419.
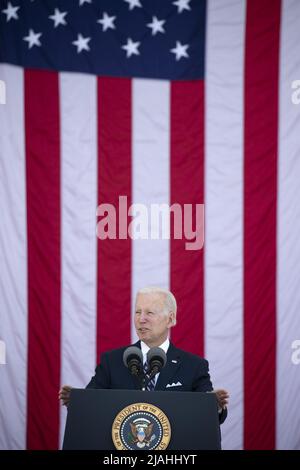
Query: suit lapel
x: 170, y: 369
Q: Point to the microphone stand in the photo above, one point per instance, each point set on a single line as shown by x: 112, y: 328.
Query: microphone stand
x: 146, y: 377
x: 143, y: 382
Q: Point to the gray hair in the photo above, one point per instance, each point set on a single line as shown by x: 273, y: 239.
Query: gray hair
x: 169, y: 299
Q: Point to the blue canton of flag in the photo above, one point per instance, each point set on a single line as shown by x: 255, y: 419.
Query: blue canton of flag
x: 120, y: 38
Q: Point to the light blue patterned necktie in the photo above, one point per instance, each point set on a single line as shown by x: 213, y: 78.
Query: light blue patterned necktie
x: 151, y: 383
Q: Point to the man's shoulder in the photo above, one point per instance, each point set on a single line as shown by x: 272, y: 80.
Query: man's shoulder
x: 173, y: 353
x: 112, y: 353
x: 188, y: 356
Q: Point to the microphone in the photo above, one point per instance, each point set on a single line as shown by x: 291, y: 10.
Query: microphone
x: 157, y: 359
x: 133, y: 359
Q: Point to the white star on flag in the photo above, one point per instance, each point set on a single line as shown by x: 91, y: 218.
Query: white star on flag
x: 133, y: 3
x: 81, y: 43
x: 58, y: 17
x: 180, y: 50
x: 11, y: 12
x: 33, y: 39
x: 107, y: 22
x: 131, y: 48
x: 81, y: 2
x: 182, y: 5
x: 156, y: 25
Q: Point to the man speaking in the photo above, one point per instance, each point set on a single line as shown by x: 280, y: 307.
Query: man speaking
x: 143, y: 367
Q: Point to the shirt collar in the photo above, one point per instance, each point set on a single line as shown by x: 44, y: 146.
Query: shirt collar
x: 165, y: 346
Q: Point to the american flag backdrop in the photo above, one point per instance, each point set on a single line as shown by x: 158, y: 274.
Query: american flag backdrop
x: 162, y: 101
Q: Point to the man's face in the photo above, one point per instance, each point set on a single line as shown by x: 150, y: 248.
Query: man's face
x: 150, y: 320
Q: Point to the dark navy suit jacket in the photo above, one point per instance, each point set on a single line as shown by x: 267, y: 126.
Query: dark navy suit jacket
x: 183, y: 368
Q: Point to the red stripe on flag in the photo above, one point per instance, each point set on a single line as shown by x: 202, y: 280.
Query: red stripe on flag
x: 44, y: 275
x: 114, y: 180
x: 187, y: 187
x: 260, y: 198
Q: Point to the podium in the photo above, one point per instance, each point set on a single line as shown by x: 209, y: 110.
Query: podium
x: 140, y: 420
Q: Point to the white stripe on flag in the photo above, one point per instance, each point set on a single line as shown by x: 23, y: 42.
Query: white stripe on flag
x: 13, y: 261
x: 288, y: 246
x: 78, y: 211
x: 223, y: 210
x: 150, y: 185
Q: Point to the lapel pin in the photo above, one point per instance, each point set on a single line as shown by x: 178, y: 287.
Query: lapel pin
x: 174, y: 360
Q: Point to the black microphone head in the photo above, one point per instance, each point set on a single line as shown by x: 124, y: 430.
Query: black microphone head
x: 133, y: 359
x: 156, y: 357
